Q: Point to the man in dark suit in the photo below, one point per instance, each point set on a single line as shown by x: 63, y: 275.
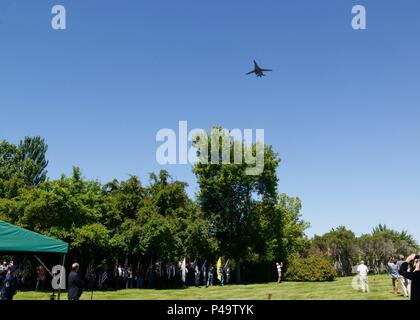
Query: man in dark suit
x: 75, y: 283
x: 413, y: 276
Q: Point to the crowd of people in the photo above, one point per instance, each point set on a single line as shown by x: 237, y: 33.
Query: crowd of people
x: 404, y: 272
x: 9, y: 281
x: 123, y: 276
x: 154, y: 276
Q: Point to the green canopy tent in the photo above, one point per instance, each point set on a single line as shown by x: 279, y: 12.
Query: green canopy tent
x: 14, y: 239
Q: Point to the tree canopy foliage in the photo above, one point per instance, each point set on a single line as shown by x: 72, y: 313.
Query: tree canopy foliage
x: 346, y: 250
x: 22, y: 166
x: 241, y: 208
x: 235, y: 215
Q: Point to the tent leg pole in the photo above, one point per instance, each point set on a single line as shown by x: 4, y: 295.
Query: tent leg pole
x: 61, y: 276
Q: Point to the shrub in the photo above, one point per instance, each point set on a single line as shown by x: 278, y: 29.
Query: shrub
x: 314, y: 268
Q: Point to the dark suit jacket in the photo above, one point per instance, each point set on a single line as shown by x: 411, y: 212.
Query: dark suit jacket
x: 75, y: 285
x: 415, y: 278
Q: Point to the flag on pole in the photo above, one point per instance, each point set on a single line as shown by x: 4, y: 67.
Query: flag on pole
x: 226, y: 264
x: 194, y: 264
x: 218, y: 266
x: 204, y: 267
x: 90, y: 273
x: 184, y: 270
x: 103, y: 277
x: 116, y: 268
x: 150, y: 270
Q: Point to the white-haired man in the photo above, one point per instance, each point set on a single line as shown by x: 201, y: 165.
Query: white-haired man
x: 279, y: 266
x: 363, y: 272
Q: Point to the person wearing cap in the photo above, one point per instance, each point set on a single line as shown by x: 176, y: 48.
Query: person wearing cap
x: 10, y: 284
x: 363, y: 272
x: 413, y: 276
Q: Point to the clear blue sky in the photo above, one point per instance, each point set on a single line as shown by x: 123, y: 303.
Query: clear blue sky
x: 342, y: 107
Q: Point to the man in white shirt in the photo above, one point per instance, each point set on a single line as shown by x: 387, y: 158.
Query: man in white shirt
x: 279, y: 266
x: 363, y: 272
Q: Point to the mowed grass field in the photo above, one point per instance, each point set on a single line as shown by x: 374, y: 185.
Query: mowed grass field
x: 340, y: 289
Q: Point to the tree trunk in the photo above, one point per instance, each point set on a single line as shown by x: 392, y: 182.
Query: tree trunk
x: 238, y: 271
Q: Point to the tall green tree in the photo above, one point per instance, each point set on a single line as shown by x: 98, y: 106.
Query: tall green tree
x: 68, y: 209
x: 167, y: 225
x: 22, y: 166
x: 295, y: 240
x: 122, y: 201
x: 229, y: 196
x: 32, y: 162
x: 340, y: 245
x: 382, y: 244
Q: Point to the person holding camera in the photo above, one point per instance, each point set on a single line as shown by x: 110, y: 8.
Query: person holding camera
x: 413, y: 276
x: 405, y: 283
x: 279, y: 266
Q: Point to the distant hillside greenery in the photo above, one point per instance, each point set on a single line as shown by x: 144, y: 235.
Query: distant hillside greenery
x: 376, y: 248
x: 235, y: 216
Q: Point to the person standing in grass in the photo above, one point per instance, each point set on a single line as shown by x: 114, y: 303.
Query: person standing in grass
x: 140, y: 277
x: 393, y: 271
x: 75, y: 283
x: 279, y: 266
x: 221, y: 276
x: 210, y: 277
x: 41, y: 277
x: 10, y: 284
x: 413, y: 276
x: 204, y: 272
x: 405, y: 283
x: 363, y: 272
x: 197, y: 274
x: 228, y: 274
x: 129, y: 278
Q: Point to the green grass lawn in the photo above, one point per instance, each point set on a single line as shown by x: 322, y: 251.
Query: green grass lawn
x: 340, y: 289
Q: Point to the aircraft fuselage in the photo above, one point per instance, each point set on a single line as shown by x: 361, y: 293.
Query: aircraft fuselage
x: 259, y: 72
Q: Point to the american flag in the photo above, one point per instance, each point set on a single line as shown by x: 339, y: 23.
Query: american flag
x: 103, y: 277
